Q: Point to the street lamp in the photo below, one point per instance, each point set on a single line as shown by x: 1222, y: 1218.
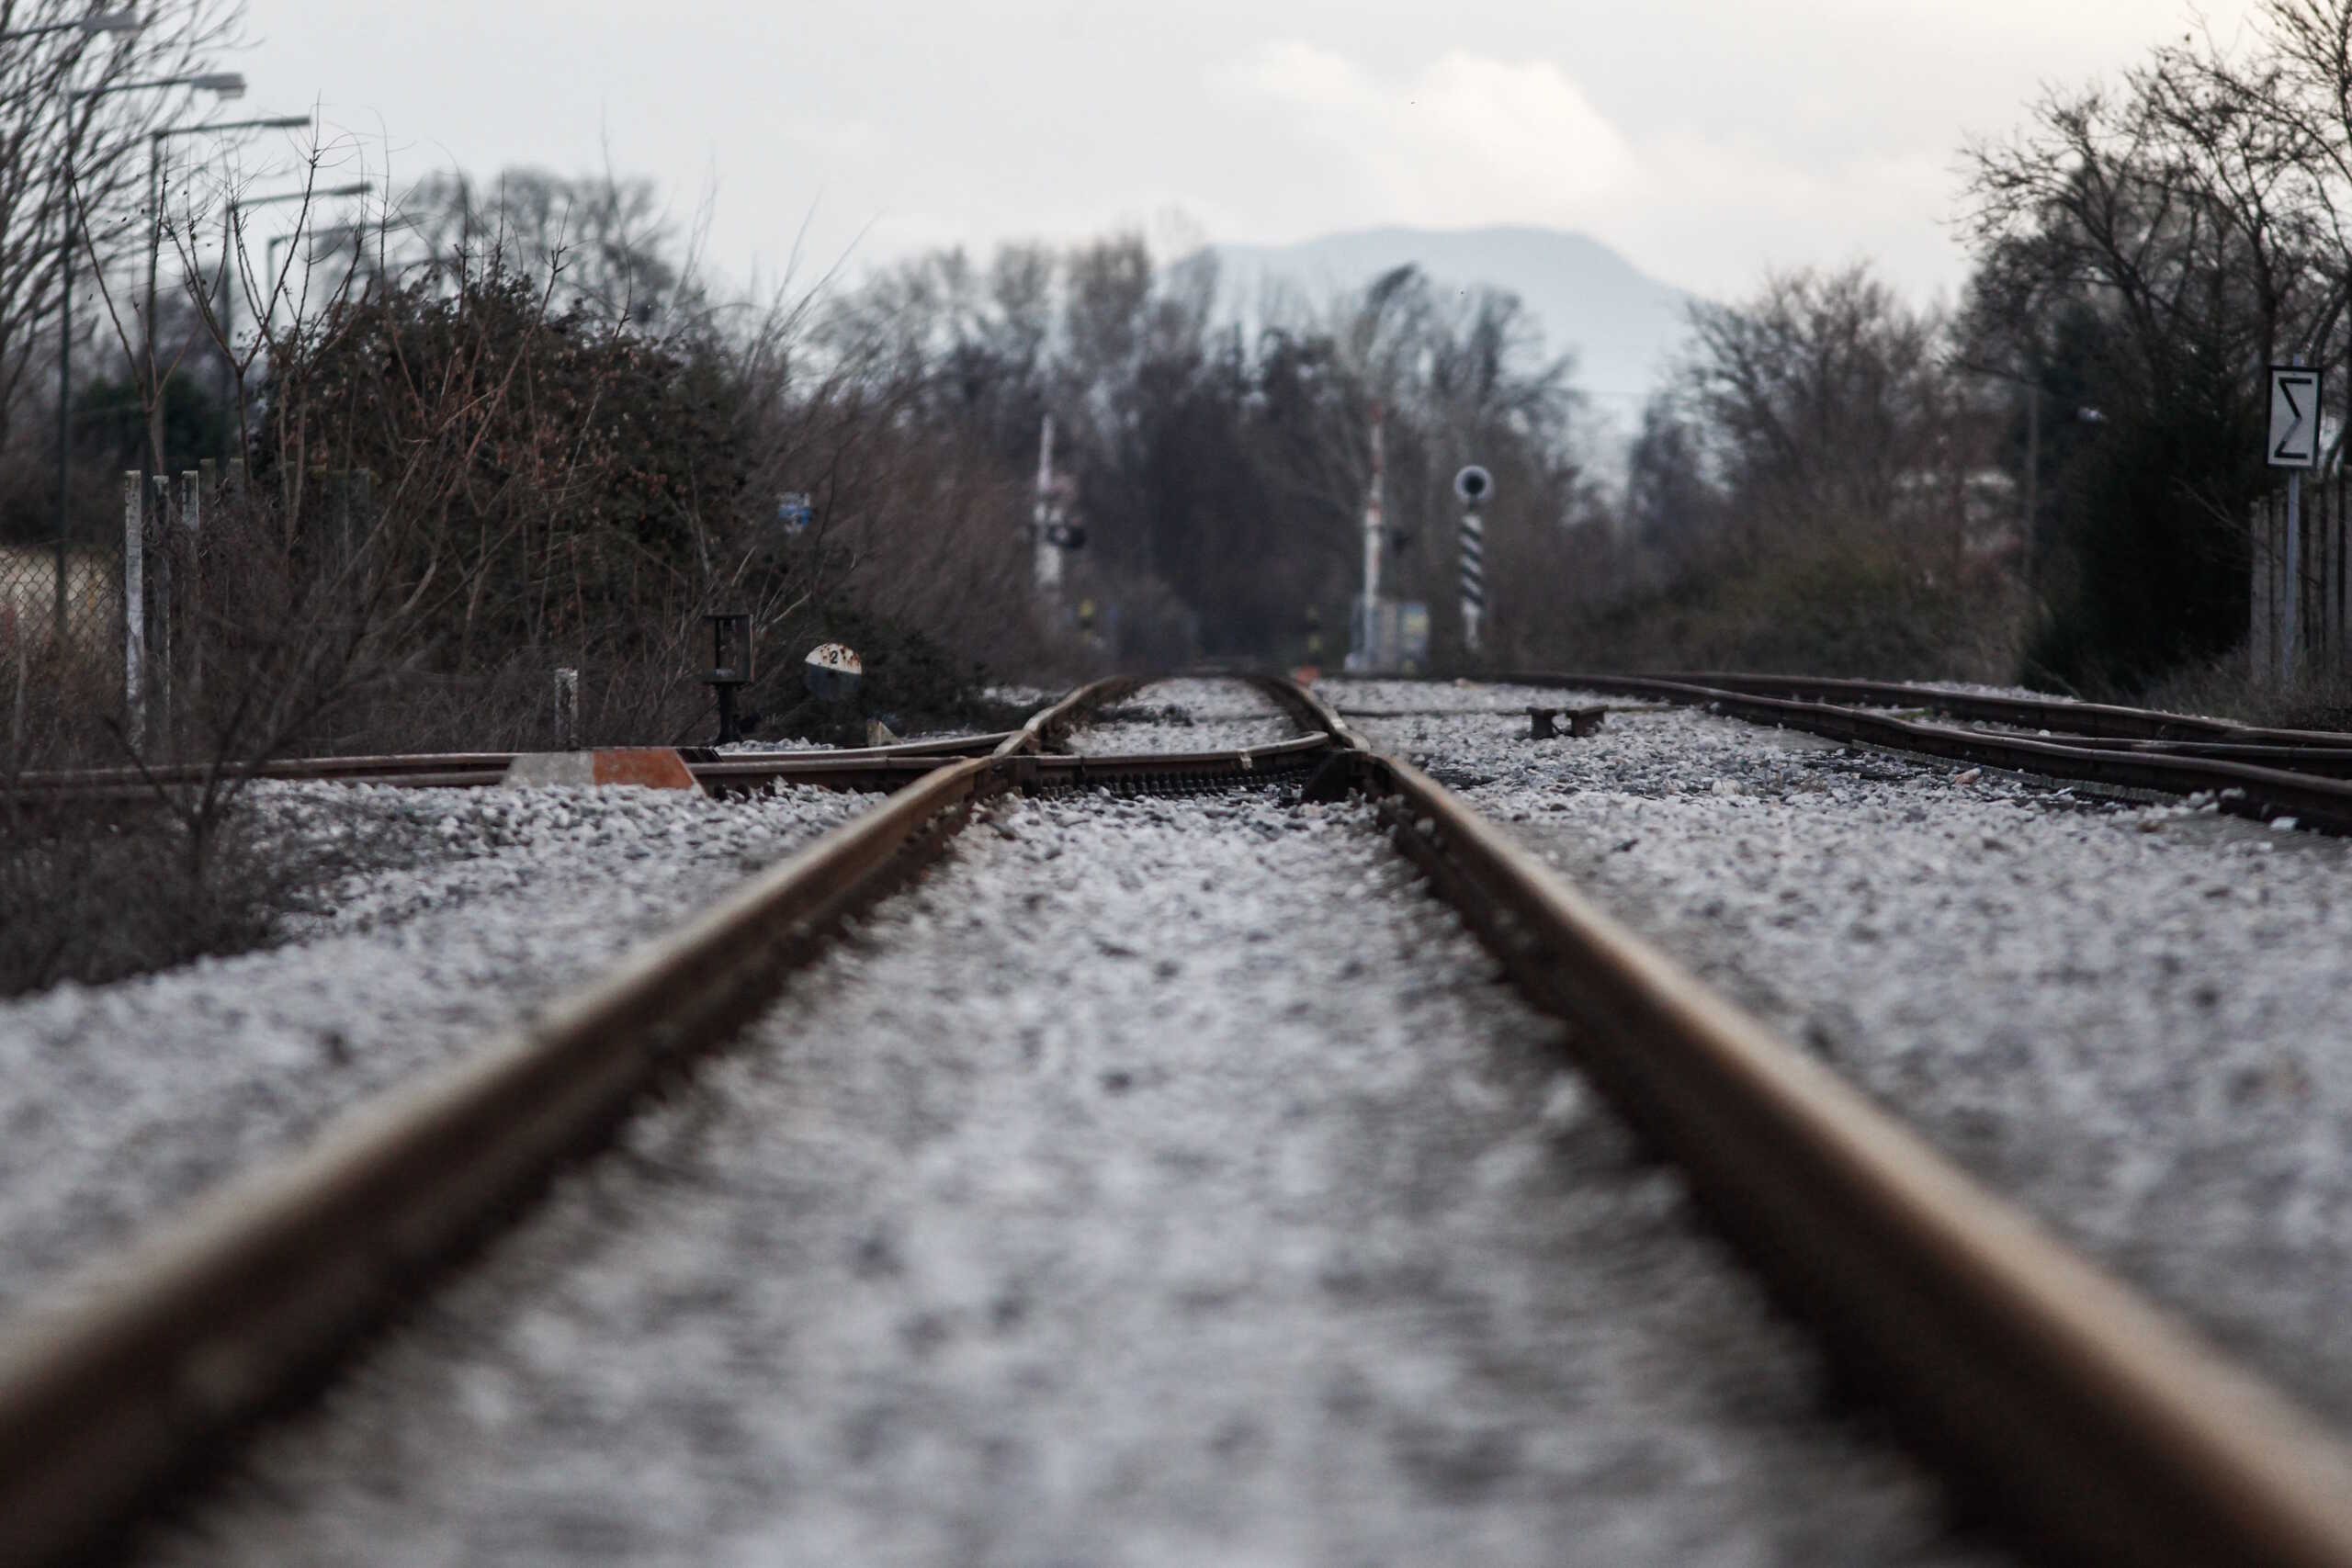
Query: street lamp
x: 155, y: 140
x: 229, y: 237
x: 224, y: 85
x: 89, y: 27
x: 339, y: 233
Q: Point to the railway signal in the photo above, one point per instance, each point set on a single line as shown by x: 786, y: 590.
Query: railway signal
x: 1475, y: 486
x: 731, y: 670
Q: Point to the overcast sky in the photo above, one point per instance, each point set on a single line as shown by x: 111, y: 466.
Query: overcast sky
x: 1705, y: 139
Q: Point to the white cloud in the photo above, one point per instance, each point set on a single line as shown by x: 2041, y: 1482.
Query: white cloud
x: 1471, y: 141
x: 1468, y: 140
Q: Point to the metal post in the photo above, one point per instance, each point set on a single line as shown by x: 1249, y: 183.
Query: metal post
x: 199, y: 485
x: 730, y: 668
x: 229, y: 293
x: 1048, y: 556
x: 1473, y: 578
x: 2290, y: 648
x: 2290, y: 641
x: 155, y: 255
x: 2032, y: 478
x: 134, y: 606
x: 65, y: 396
x: 1365, y: 654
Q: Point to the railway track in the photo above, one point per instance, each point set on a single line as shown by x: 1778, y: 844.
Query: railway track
x: 2073, y: 1411
x: 874, y: 767
x: 2263, y: 774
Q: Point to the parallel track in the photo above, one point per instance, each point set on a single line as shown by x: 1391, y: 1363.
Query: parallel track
x: 2262, y: 779
x: 871, y: 768
x: 2090, y: 1423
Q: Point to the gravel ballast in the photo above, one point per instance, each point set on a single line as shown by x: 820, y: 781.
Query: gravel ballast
x: 120, y: 1103
x: 1156, y: 1182
x: 2131, y: 1018
x: 1185, y: 714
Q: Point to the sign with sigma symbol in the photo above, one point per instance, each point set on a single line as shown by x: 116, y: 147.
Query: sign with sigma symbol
x: 2294, y: 440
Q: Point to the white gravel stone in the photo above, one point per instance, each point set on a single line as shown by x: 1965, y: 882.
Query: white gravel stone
x: 119, y: 1103
x: 2130, y: 1019
x: 1191, y: 715
x: 1170, y: 1182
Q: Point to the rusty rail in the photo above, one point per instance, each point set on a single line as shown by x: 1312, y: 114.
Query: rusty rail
x: 2244, y: 789
x: 864, y: 767
x: 218, y: 1316
x: 2103, y: 720
x: 2075, y: 1410
x: 2095, y: 1426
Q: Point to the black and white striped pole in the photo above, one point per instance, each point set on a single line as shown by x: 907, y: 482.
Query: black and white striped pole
x: 1474, y: 485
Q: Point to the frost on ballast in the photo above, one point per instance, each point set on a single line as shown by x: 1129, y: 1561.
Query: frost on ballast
x: 1194, y: 715
x: 120, y: 1103
x: 1169, y: 1181
x: 2125, y: 1017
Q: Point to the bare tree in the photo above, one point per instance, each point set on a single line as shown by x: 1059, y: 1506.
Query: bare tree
x: 71, y: 141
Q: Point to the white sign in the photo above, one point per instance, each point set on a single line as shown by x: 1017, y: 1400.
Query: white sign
x: 2294, y: 418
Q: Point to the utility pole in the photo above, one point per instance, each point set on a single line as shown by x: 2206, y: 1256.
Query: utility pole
x: 2032, y: 478
x: 1365, y: 654
x: 1047, y: 555
x: 64, y: 393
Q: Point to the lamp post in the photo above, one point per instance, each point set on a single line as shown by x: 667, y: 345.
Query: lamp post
x: 155, y: 140
x: 225, y: 84
x: 338, y: 233
x: 231, y: 234
x: 89, y: 27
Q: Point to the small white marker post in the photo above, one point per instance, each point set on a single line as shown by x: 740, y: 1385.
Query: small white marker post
x: 2293, y: 444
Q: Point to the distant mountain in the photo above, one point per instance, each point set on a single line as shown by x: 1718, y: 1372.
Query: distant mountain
x: 1621, y: 323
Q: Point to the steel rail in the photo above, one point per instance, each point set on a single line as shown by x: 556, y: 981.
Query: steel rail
x: 206, y: 1325
x: 471, y: 767
x: 2316, y: 797
x: 2106, y: 720
x: 2061, y: 1398
x: 222, y: 1316
x: 1046, y: 727
x: 862, y: 768
x: 2077, y: 1412
x: 2244, y: 789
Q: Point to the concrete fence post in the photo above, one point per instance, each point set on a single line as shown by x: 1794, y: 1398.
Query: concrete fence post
x: 134, y: 605
x: 190, y: 546
x: 567, y: 709
x: 160, y: 534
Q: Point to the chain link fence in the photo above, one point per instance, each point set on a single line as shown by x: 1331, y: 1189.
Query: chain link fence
x: 68, y: 604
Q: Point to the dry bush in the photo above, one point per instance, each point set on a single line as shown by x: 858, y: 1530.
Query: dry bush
x: 2221, y: 688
